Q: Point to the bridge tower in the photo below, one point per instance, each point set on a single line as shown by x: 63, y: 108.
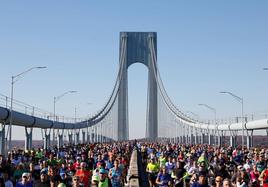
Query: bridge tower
x: 135, y: 47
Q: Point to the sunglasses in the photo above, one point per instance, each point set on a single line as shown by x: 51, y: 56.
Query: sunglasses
x: 76, y: 179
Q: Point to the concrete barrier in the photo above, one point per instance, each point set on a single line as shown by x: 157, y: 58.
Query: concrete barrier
x: 137, y: 176
x: 133, y: 170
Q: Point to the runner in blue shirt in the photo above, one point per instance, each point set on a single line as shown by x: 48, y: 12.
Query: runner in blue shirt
x: 115, y: 174
x: 25, y: 181
x: 163, y: 178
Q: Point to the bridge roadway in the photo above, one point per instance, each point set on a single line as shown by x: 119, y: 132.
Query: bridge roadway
x: 136, y: 176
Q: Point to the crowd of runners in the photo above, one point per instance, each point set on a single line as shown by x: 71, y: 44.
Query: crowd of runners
x: 97, y: 165
x: 204, y: 165
x: 106, y: 165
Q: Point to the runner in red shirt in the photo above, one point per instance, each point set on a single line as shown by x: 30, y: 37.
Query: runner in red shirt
x: 83, y: 174
x: 264, y: 177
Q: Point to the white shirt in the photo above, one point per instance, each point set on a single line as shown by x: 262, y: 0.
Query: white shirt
x: 247, y: 166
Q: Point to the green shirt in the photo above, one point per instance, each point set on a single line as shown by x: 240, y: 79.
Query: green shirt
x: 103, y: 183
x: 162, y: 161
x: 18, y: 173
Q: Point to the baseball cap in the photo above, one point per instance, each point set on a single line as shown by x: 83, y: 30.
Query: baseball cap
x: 83, y: 164
x: 102, y: 171
x: 61, y: 185
x: 70, y: 173
x: 62, y: 174
x: 25, y: 175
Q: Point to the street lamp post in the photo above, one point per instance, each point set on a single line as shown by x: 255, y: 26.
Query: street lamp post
x: 76, y: 137
x: 88, y: 131
x: 240, y: 100
x: 14, y: 79
x: 214, y: 111
x: 56, y: 99
x: 196, y: 118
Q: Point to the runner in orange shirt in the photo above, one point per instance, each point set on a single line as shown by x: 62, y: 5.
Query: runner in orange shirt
x: 83, y: 174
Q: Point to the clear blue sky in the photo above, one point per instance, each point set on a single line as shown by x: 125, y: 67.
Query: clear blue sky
x: 203, y: 47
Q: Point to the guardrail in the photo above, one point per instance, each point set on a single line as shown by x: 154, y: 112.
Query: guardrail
x: 27, y: 109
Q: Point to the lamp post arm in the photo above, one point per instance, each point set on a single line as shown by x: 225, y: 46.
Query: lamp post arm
x: 240, y: 99
x: 60, y: 96
x: 15, y: 78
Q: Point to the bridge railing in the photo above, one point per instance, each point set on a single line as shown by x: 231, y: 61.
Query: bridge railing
x: 31, y: 110
x: 24, y: 108
x: 237, y: 119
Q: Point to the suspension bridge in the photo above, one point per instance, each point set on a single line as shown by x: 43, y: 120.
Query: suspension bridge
x: 164, y: 120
